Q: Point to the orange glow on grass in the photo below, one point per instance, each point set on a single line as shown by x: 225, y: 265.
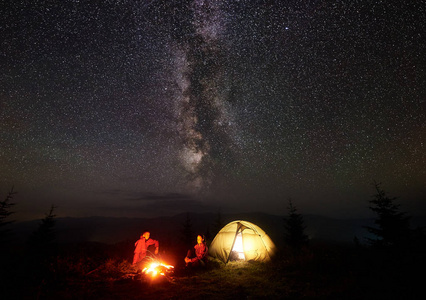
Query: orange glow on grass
x: 156, y: 268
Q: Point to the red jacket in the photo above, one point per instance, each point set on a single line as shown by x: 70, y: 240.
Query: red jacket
x: 201, y: 252
x: 142, y: 245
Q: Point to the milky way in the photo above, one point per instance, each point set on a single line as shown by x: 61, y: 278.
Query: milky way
x: 140, y: 108
x: 203, y: 117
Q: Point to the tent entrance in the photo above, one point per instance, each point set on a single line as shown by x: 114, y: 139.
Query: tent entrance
x: 237, y: 252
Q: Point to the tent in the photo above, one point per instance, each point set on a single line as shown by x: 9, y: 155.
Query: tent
x: 242, y: 240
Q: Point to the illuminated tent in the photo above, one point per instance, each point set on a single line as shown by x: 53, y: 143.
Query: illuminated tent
x: 242, y: 240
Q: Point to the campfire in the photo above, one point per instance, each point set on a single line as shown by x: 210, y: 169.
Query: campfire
x: 157, y: 268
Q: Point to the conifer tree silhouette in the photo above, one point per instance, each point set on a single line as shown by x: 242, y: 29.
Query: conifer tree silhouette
x: 393, y: 226
x: 42, y: 240
x: 218, y: 223
x: 295, y: 235
x: 187, y: 232
x: 5, y: 212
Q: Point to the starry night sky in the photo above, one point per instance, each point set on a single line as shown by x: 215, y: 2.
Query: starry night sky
x: 146, y: 108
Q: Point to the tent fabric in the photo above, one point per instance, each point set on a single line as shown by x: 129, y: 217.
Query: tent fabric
x: 257, y: 245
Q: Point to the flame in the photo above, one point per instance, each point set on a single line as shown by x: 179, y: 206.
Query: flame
x: 156, y: 268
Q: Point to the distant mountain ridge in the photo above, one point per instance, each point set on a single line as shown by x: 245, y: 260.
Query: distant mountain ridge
x: 112, y: 230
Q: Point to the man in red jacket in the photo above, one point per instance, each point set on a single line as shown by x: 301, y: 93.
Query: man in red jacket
x: 142, y: 245
x: 201, y: 252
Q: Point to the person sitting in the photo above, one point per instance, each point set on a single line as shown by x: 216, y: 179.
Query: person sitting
x: 201, y: 252
x: 142, y: 246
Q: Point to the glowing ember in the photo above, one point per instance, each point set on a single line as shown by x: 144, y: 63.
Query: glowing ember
x: 157, y: 268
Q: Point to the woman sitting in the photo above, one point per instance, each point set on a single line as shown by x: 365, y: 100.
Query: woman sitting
x: 201, y: 252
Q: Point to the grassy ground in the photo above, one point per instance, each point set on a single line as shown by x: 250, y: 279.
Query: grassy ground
x: 321, y: 272
x: 236, y: 280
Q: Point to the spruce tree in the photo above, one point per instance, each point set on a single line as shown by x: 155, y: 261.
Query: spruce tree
x: 393, y: 228
x: 42, y: 250
x: 187, y: 232
x: 43, y: 238
x: 295, y: 235
x: 5, y: 212
x: 218, y: 223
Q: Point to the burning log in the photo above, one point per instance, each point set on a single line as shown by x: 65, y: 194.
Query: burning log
x: 158, y: 270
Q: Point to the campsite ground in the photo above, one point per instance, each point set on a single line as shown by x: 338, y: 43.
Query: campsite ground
x: 324, y: 271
